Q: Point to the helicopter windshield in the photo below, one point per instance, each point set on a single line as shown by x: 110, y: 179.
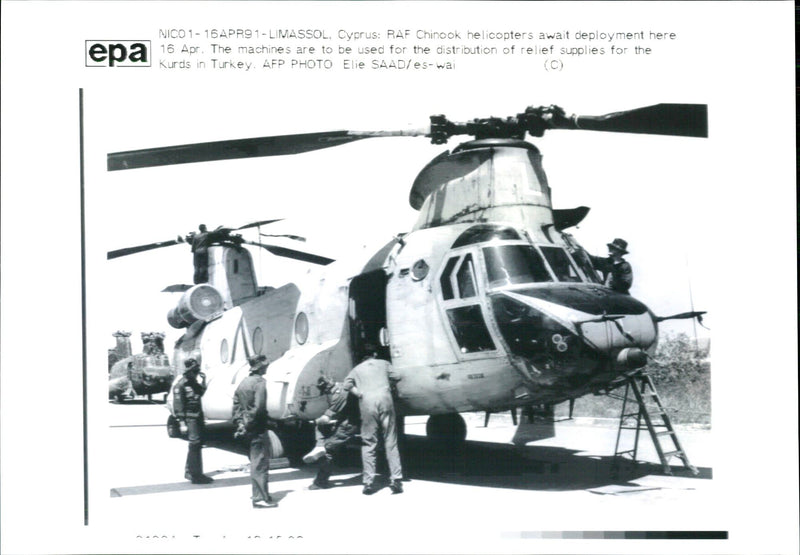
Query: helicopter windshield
x: 513, y: 264
x: 560, y: 263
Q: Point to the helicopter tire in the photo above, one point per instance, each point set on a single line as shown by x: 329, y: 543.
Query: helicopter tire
x: 447, y: 430
x: 173, y: 428
x: 295, y: 439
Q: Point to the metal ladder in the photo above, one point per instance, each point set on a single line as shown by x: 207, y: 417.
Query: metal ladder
x: 647, y: 401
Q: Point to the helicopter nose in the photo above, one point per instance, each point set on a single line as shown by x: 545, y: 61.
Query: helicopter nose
x: 570, y: 334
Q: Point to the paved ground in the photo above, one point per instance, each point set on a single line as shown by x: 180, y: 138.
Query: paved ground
x: 490, y: 497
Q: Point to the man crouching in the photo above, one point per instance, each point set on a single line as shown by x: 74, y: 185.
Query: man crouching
x: 339, y: 426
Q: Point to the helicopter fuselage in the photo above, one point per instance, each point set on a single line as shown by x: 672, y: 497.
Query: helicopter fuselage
x: 485, y: 305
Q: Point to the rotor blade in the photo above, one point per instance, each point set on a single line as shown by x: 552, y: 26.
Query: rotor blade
x: 243, y: 148
x: 176, y: 288
x: 684, y: 120
x: 294, y: 237
x: 294, y: 254
x: 681, y: 316
x: 263, y: 222
x: 141, y: 248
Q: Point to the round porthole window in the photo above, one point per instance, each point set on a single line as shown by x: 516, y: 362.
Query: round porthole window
x: 258, y: 341
x: 301, y: 328
x: 420, y: 270
x: 224, y: 351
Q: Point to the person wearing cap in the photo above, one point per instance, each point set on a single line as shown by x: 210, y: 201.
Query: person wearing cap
x: 339, y: 426
x: 369, y: 382
x: 188, y: 408
x: 251, y: 418
x: 617, y: 272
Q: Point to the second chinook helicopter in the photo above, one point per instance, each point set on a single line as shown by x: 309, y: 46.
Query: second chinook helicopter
x: 146, y: 373
x: 487, y: 304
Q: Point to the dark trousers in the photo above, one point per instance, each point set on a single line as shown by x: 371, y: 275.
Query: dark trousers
x: 260, y: 453
x: 378, y: 422
x: 194, y: 458
x: 201, y: 266
x: 345, y: 434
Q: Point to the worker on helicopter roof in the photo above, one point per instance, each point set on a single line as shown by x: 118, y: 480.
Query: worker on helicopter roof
x: 617, y: 272
x: 201, y: 241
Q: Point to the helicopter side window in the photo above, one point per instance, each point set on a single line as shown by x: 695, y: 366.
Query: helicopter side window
x: 586, y: 265
x: 512, y: 264
x: 465, y: 278
x: 470, y: 329
x: 561, y: 264
x: 447, y: 286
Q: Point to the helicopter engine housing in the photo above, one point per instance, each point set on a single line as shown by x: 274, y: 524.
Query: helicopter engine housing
x: 198, y: 303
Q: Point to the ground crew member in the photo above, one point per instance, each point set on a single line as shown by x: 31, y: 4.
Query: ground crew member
x: 188, y: 408
x: 339, y: 425
x: 617, y: 272
x: 251, y: 417
x: 369, y: 382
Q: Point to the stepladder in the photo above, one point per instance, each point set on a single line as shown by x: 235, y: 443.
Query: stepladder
x: 642, y: 410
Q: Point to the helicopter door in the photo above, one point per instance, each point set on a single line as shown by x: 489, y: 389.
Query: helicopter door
x: 367, y: 314
x: 462, y: 305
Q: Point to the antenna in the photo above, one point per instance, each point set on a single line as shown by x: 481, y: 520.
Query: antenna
x: 691, y: 300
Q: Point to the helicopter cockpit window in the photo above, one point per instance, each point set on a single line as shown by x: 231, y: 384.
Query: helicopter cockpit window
x: 470, y: 329
x: 466, y: 278
x: 513, y: 264
x: 459, y: 287
x: 483, y: 233
x: 447, y: 286
x: 586, y: 265
x: 561, y: 264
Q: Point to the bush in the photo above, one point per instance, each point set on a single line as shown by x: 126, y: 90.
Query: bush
x: 679, y: 359
x: 681, y: 373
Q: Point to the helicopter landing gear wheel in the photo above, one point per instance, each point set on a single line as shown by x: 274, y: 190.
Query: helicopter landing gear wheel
x: 448, y: 430
x: 294, y: 439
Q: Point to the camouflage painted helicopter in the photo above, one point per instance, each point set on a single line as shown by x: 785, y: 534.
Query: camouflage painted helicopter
x: 146, y: 373
x: 487, y: 304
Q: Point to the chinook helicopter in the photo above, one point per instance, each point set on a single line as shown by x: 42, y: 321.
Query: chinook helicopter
x: 487, y: 304
x: 146, y: 373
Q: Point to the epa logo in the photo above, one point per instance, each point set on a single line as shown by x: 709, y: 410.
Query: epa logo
x: 117, y: 53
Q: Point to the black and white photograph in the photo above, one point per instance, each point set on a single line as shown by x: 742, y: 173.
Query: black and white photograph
x: 398, y: 277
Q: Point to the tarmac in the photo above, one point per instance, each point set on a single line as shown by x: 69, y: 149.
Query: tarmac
x: 504, y: 489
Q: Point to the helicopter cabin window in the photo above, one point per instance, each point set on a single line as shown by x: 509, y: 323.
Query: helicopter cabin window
x: 465, y: 278
x: 470, y: 329
x: 447, y: 286
x: 561, y: 264
x: 513, y: 264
